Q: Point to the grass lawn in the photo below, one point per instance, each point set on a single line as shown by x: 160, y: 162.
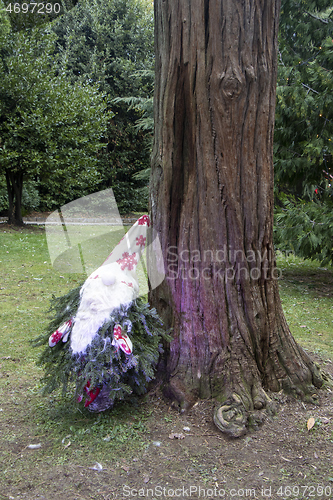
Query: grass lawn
x: 306, y: 291
x: 27, y: 283
x: 72, y: 435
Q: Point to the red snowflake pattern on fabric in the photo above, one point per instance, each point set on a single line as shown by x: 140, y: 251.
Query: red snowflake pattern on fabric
x: 128, y: 284
x: 61, y: 333
x: 117, y: 331
x: 55, y: 337
x: 120, y: 339
x: 128, y: 261
x: 143, y: 220
x: 141, y: 241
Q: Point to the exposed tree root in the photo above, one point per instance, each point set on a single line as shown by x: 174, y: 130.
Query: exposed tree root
x: 234, y: 420
x: 231, y: 418
x: 244, y: 408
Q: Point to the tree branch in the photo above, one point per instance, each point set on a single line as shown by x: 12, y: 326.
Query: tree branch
x: 325, y: 21
x: 309, y: 88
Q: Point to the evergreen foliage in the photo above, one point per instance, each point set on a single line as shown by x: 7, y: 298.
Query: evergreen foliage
x: 110, y: 43
x: 304, y: 114
x: 50, y: 129
x: 97, y: 48
x: 145, y: 124
x: 4, y: 24
x: 145, y: 105
x: 303, y: 151
x: 305, y: 228
x: 103, y: 365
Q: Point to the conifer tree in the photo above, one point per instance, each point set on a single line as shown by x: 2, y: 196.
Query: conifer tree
x: 304, y: 130
x: 111, y: 43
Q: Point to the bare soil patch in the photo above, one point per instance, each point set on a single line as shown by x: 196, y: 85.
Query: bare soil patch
x: 184, y: 456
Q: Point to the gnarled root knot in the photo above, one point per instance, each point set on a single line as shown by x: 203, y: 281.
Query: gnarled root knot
x: 231, y: 418
x: 235, y: 420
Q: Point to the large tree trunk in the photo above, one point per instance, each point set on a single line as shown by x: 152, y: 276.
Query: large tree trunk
x: 211, y: 204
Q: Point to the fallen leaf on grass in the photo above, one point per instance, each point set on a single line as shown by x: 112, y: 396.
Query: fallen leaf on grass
x: 175, y: 435
x: 310, y: 423
x: 97, y: 467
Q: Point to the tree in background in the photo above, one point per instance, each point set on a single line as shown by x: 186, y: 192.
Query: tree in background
x: 4, y: 24
x: 111, y: 44
x: 50, y: 129
x: 304, y: 130
x: 144, y: 124
x: 211, y: 201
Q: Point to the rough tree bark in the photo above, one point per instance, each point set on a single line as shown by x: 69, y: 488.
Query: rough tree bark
x: 211, y: 203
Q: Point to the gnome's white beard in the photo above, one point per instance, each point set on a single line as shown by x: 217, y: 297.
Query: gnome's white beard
x: 105, y: 290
